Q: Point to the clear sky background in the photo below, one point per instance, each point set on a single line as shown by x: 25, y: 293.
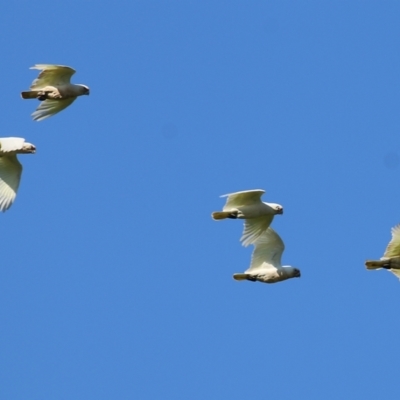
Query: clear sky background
x: 115, y: 283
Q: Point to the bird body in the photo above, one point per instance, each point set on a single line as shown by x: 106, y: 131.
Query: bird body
x: 391, y: 258
x: 11, y: 168
x: 53, y: 92
x: 54, y: 89
x: 266, y: 264
x: 247, y: 205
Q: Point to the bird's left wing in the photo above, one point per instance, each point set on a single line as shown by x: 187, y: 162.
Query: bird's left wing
x: 11, y: 144
x: 246, y: 197
x: 254, y: 228
x: 51, y: 75
x: 50, y: 107
x: 10, y: 175
x: 268, y: 251
x: 393, y: 248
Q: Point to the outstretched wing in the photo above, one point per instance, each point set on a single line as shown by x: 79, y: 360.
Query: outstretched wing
x: 254, y: 228
x: 245, y: 198
x: 11, y: 144
x: 267, y: 252
x: 393, y: 248
x: 51, y: 75
x: 10, y: 175
x: 396, y: 272
x: 50, y: 107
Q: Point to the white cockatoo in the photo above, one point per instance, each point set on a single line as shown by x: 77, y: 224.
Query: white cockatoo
x: 247, y: 205
x: 54, y: 89
x: 391, y: 258
x: 11, y: 168
x: 266, y: 261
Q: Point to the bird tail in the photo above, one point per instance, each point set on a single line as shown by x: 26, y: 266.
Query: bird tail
x: 32, y: 94
x: 241, y: 277
x: 376, y: 264
x: 217, y: 215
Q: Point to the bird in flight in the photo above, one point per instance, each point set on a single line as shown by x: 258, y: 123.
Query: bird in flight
x: 266, y: 261
x: 247, y: 205
x: 11, y: 168
x: 391, y: 258
x: 53, y: 88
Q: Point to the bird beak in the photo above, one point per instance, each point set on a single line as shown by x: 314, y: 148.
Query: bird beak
x: 280, y: 212
x: 298, y: 274
x: 29, y: 149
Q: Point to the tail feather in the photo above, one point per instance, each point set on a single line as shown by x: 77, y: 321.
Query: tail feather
x: 30, y: 95
x: 217, y: 215
x: 241, y: 277
x: 376, y: 264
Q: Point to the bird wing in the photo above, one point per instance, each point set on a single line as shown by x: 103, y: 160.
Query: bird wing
x: 11, y: 144
x: 393, y: 248
x: 396, y: 272
x: 51, y: 75
x: 50, y: 107
x: 10, y: 175
x: 267, y: 252
x: 254, y: 227
x: 247, y: 197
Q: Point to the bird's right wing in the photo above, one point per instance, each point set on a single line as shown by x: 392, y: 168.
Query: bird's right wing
x: 268, y: 251
x: 50, y: 107
x: 10, y: 175
x: 11, y: 144
x: 245, y: 198
x: 393, y: 248
x: 51, y: 75
x: 254, y: 228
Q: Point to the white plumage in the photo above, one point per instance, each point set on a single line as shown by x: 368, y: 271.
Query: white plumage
x: 266, y: 263
x: 11, y: 168
x: 53, y: 88
x: 247, y: 205
x: 391, y: 258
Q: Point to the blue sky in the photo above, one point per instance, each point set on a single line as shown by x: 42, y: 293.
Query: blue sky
x: 116, y: 283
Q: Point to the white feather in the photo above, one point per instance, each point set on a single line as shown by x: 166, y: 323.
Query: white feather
x: 11, y: 168
x: 48, y: 108
x: 258, y: 215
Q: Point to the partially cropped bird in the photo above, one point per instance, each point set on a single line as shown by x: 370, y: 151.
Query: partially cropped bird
x: 391, y: 258
x: 247, y: 205
x: 10, y: 168
x: 266, y: 261
x: 54, y: 89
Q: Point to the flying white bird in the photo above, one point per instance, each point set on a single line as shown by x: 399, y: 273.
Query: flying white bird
x: 10, y: 168
x: 266, y: 261
x: 53, y: 88
x: 391, y: 258
x: 247, y: 205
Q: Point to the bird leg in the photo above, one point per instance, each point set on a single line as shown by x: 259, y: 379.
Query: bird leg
x: 233, y: 215
x: 47, y: 94
x: 41, y: 96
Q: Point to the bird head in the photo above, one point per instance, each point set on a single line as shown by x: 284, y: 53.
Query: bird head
x: 28, y: 148
x: 276, y: 208
x: 296, y: 273
x: 85, y: 89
